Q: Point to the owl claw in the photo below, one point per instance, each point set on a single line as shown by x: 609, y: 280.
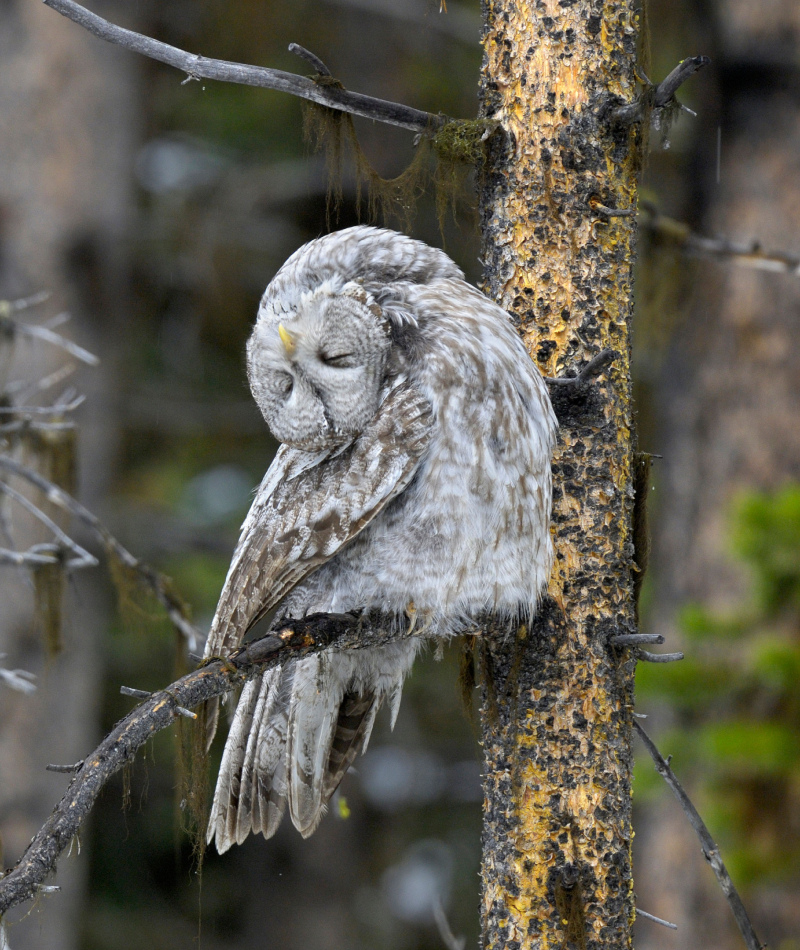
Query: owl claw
x: 411, y: 613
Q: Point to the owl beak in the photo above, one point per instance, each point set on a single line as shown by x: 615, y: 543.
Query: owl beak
x: 286, y: 339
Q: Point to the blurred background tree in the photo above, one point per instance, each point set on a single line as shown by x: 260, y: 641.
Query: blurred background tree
x: 157, y: 212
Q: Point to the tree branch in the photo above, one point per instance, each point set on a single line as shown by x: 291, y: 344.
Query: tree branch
x: 746, y: 255
x: 658, y: 97
x: 573, y: 398
x: 709, y: 846
x: 153, y: 579
x: 287, y: 639
x: 199, y: 67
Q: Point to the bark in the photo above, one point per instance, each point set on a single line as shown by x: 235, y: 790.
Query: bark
x: 557, y: 700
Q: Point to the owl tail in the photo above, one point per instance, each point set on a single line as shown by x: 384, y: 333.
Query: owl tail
x: 296, y: 731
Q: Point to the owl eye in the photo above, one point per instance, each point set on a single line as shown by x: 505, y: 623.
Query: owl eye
x: 342, y: 360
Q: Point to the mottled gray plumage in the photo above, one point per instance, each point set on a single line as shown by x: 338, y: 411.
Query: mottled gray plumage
x: 413, y: 478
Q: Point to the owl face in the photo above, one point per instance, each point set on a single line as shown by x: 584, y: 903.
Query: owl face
x: 316, y: 368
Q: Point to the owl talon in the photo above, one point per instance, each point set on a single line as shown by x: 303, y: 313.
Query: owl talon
x: 411, y: 613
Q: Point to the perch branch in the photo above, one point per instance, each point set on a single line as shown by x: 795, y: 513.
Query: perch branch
x: 707, y: 843
x: 152, y: 578
x: 660, y: 96
x: 199, y: 67
x: 157, y: 712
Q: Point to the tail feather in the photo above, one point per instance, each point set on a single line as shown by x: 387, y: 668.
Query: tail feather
x: 295, y: 734
x: 225, y: 808
x: 353, y: 728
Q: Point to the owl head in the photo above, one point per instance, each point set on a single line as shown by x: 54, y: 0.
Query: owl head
x: 316, y: 363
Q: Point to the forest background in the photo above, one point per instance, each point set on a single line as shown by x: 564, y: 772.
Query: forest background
x: 156, y: 211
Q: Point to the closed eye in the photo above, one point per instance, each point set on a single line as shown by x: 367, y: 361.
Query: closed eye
x: 342, y: 360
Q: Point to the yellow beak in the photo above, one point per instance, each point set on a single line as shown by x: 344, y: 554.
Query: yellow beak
x: 286, y: 339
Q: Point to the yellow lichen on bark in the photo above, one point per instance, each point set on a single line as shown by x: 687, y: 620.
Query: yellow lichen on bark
x: 557, y: 838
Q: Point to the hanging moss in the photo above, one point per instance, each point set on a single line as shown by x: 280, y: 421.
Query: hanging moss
x: 55, y: 451
x: 48, y: 586
x: 445, y: 157
x: 194, y: 785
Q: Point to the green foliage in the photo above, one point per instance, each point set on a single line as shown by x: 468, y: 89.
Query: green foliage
x: 737, y: 694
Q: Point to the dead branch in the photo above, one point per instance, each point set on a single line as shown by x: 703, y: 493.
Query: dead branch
x: 287, y: 639
x: 707, y: 843
x: 20, y: 680
x: 656, y: 98
x: 153, y: 579
x: 199, y: 67
x: 745, y: 254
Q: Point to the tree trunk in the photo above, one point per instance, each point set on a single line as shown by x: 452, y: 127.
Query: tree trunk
x: 557, y: 700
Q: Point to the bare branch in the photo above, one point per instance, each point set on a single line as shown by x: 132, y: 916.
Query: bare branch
x: 309, y: 57
x: 658, y: 920
x: 574, y: 398
x: 199, y: 67
x: 589, y: 372
x: 626, y: 639
x: 449, y: 939
x: 666, y: 89
x: 46, y: 334
x: 287, y: 639
x: 35, y: 556
x: 746, y: 255
x: 707, y: 843
x: 153, y: 579
x: 7, y: 307
x: 20, y: 680
x: 82, y: 557
x: 658, y: 657
x: 660, y: 96
x: 66, y: 769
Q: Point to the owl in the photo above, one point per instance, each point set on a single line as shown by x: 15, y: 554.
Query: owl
x: 413, y: 478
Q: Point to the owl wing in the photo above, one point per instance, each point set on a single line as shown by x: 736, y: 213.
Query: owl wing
x: 307, y: 509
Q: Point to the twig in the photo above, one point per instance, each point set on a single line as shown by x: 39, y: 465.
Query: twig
x: 707, y: 843
x: 56, y: 409
x: 658, y: 657
x: 660, y: 96
x: 287, y: 639
x: 7, y: 307
x: 625, y: 639
x: 152, y: 578
x: 380, y: 110
x: 575, y: 400
x: 33, y: 557
x: 82, y: 557
x: 658, y: 920
x: 449, y: 939
x: 745, y: 254
x: 309, y: 57
x: 20, y: 680
x: 43, y: 333
x: 590, y: 372
x: 67, y: 769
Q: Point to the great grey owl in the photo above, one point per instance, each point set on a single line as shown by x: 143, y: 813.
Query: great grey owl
x: 413, y: 478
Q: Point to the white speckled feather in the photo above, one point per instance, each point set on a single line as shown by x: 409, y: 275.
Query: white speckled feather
x: 415, y: 471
